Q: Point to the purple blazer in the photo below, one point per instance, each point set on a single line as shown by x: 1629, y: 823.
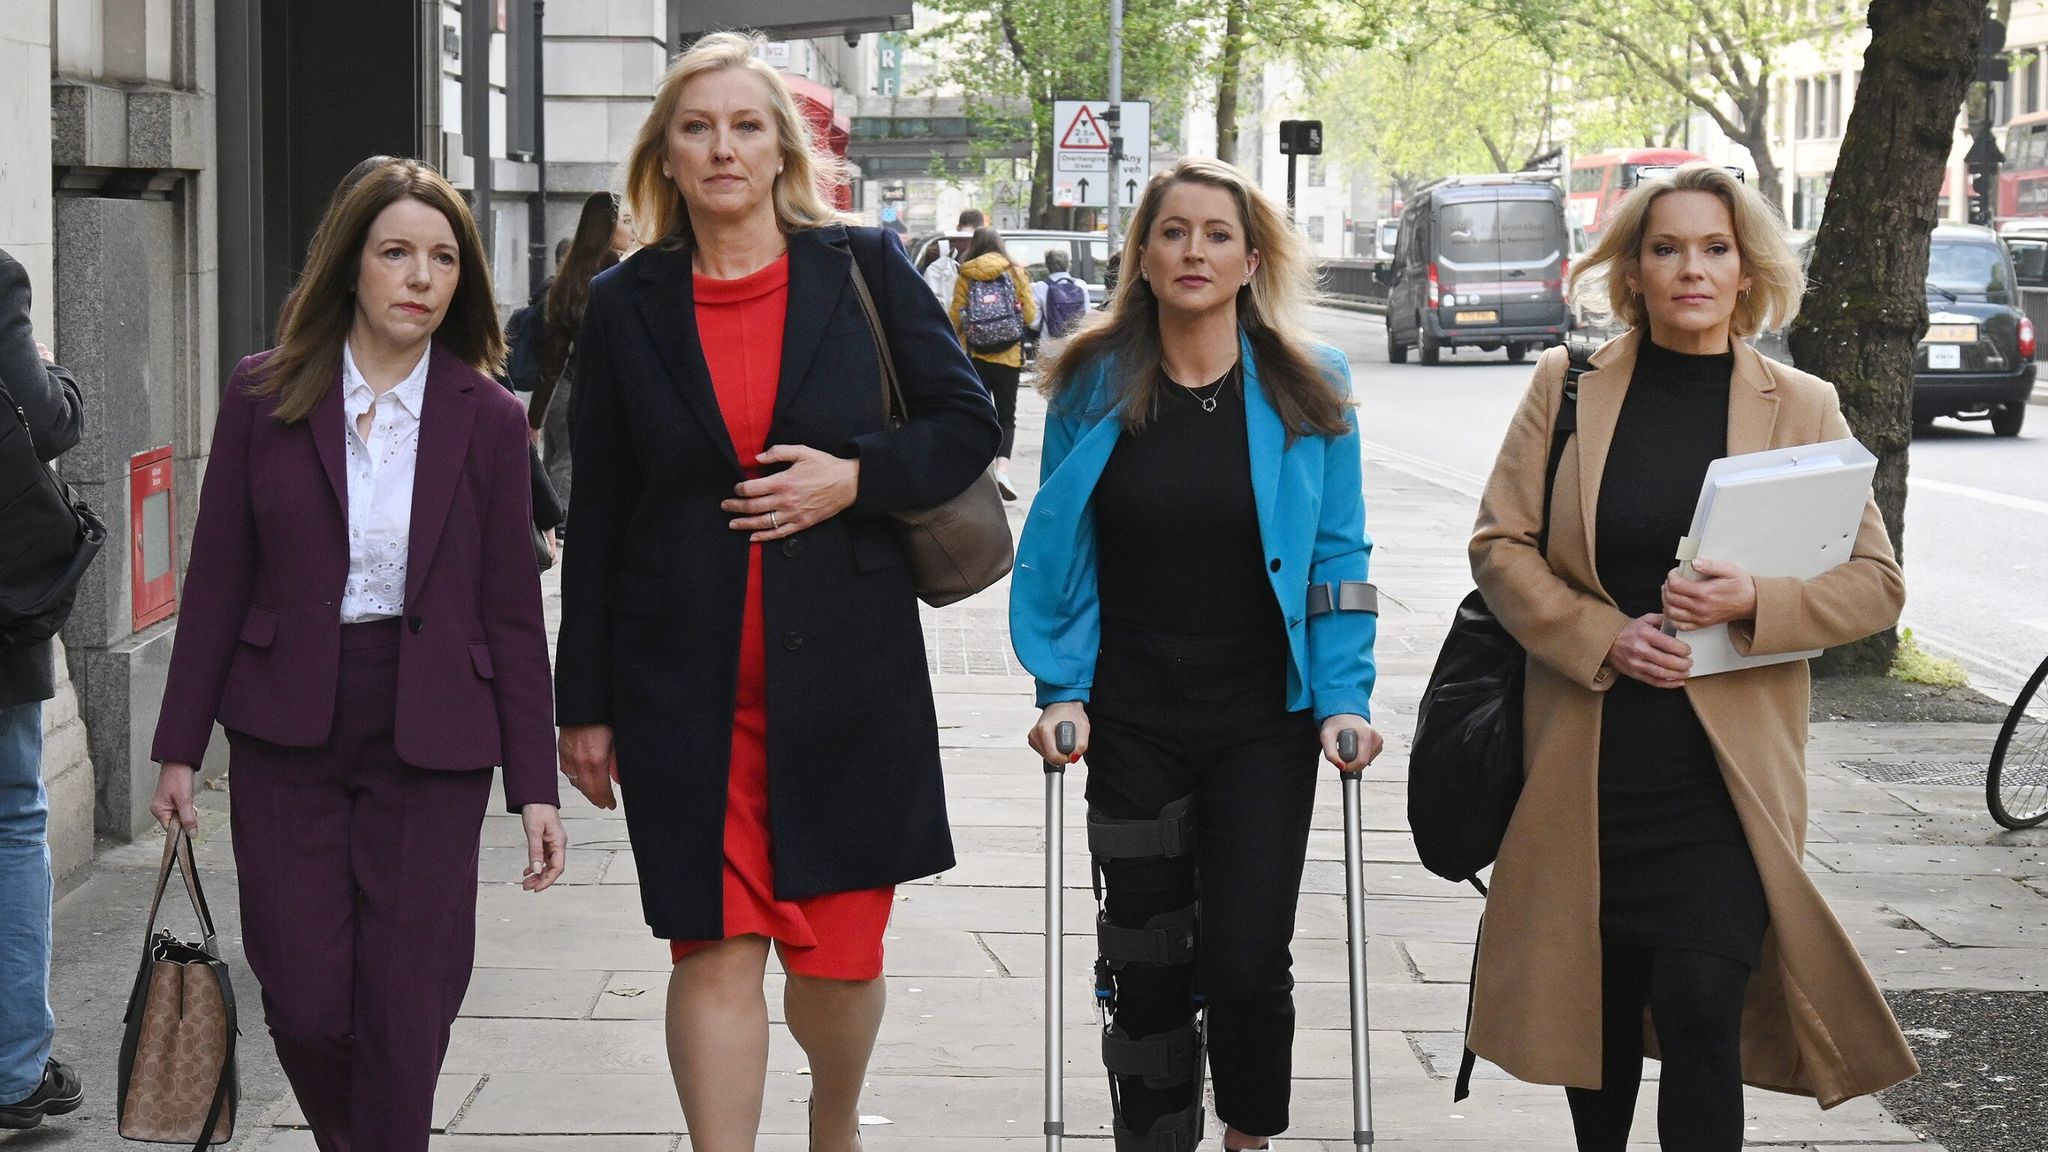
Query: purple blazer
x: 259, y: 631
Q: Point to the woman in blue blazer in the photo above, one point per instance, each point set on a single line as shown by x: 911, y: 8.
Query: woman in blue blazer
x: 1190, y: 592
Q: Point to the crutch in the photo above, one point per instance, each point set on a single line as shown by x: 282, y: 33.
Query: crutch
x: 1055, y: 920
x: 1354, y: 939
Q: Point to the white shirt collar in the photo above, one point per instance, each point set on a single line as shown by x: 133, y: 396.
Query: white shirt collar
x: 356, y: 395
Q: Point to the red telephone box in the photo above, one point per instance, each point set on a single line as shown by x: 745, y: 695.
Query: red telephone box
x: 153, y: 544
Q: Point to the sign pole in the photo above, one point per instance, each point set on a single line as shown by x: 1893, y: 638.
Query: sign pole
x: 1116, y: 131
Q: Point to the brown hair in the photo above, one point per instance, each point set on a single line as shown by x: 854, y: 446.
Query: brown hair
x: 985, y: 241
x: 659, y: 215
x: 1776, y: 279
x: 590, y: 253
x: 1268, y: 311
x: 322, y: 307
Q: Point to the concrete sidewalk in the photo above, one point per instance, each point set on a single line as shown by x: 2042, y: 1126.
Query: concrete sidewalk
x: 560, y: 1045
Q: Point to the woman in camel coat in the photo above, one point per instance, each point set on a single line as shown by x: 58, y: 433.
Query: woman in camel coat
x: 1806, y: 1016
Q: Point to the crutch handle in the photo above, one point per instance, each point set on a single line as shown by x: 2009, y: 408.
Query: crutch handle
x: 1062, y: 739
x: 1347, y: 745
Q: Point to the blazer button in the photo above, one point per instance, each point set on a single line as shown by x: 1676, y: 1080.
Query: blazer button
x: 416, y: 623
x: 792, y: 641
x: 792, y: 546
x: 1275, y: 565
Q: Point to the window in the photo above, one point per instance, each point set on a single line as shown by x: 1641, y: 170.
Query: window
x: 2023, y: 77
x: 1315, y: 229
x: 1835, y: 106
x: 1966, y: 268
x: 1588, y: 179
x: 1318, y: 172
x: 1493, y: 231
x: 1803, y: 120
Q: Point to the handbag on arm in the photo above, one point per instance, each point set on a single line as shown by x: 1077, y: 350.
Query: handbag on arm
x: 177, y: 1072
x: 963, y: 545
x: 1465, y: 768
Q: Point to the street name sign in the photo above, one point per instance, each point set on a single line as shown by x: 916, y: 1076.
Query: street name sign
x: 1080, y: 152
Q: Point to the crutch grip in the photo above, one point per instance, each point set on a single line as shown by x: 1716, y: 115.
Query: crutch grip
x: 1062, y: 739
x: 1347, y: 745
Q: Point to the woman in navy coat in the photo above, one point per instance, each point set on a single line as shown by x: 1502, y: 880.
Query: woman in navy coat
x: 740, y: 646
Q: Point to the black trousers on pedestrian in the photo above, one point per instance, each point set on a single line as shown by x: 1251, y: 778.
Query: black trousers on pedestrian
x: 1001, y: 382
x: 1695, y: 1000
x: 1207, y: 715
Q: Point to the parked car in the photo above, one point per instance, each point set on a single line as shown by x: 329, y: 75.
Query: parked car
x: 1479, y: 261
x: 1976, y: 361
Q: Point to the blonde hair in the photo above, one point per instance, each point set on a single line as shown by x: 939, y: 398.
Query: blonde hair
x: 1776, y: 279
x: 1269, y: 310
x: 659, y: 215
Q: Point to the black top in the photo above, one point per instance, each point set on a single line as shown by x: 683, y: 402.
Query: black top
x: 1676, y: 870
x: 1176, y: 527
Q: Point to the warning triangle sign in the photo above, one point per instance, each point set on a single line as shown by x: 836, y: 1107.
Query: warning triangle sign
x: 1085, y: 133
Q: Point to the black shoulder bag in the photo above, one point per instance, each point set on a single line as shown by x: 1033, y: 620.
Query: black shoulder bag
x: 51, y: 535
x: 1465, y: 769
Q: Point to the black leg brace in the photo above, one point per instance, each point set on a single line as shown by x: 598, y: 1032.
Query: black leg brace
x: 1153, y: 1030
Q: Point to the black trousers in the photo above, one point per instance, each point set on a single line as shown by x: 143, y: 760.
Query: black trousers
x: 1695, y: 1000
x: 1178, y: 715
x: 1001, y: 382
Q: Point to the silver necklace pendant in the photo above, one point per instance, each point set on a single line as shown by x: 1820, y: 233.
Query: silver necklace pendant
x: 1208, y: 404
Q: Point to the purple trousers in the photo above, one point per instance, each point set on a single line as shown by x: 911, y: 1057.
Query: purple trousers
x: 359, y: 879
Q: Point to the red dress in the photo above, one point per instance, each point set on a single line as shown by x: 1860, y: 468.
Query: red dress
x: 837, y: 935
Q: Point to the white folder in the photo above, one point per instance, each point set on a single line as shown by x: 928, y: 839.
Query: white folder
x: 1786, y: 512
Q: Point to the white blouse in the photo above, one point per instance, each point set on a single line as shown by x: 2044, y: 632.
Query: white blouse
x: 380, y: 477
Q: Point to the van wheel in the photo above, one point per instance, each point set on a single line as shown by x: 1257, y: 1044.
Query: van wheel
x: 1397, y: 352
x: 1427, y: 349
x: 2006, y: 419
x: 1517, y: 352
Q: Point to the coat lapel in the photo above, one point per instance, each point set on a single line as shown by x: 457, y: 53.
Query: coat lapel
x: 447, y: 412
x: 1601, y: 391
x: 668, y: 306
x: 329, y: 428
x: 1267, y: 438
x: 820, y: 271
x: 1752, y: 403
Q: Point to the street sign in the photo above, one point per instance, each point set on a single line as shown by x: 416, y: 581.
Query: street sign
x: 1301, y: 137
x: 1080, y: 155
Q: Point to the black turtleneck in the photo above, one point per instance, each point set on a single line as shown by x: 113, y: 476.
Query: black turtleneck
x: 1676, y: 871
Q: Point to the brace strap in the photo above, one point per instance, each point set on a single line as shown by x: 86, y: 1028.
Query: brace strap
x: 1166, y: 1060
x: 1343, y: 596
x: 1169, y: 834
x: 1167, y: 940
x: 1174, y: 1132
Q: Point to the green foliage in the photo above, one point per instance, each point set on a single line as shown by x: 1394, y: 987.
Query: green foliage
x: 1914, y: 665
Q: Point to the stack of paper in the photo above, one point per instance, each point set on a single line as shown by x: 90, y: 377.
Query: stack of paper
x: 1786, y: 512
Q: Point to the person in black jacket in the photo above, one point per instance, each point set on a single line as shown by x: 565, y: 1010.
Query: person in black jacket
x: 739, y: 617
x: 32, y: 1083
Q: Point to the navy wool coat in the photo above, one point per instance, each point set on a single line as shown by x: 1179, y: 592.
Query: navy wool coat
x: 654, y: 585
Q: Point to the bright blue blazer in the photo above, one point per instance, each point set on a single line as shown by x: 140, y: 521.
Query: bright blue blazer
x: 1311, y: 505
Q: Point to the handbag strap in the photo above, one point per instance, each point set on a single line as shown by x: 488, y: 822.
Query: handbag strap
x: 178, y: 847
x: 1561, y: 430
x: 894, y: 410
x: 225, y: 1085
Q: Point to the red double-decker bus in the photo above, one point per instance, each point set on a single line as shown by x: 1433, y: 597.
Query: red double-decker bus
x: 2023, y: 177
x: 1600, y: 179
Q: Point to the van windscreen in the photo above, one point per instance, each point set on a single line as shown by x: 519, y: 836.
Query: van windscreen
x: 1499, y: 231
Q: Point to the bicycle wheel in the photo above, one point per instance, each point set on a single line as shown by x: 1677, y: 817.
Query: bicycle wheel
x: 2016, y: 787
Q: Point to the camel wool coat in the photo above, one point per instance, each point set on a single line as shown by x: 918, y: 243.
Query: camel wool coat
x: 1814, y: 1023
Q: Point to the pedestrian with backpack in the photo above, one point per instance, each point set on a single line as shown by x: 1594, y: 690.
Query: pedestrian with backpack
x: 1062, y: 301
x: 39, y: 402
x: 992, y: 306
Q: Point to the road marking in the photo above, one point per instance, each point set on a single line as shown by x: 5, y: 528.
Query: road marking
x: 1469, y: 484
x: 2001, y: 499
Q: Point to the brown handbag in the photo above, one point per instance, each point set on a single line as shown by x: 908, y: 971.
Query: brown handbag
x: 961, y: 546
x: 177, y: 1071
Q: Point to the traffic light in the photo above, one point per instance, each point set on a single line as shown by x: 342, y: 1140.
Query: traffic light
x: 1982, y: 193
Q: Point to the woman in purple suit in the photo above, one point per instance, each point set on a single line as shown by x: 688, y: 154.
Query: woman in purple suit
x: 363, y: 615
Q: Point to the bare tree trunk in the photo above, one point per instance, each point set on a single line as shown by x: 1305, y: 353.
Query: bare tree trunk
x: 1230, y: 72
x: 1041, y: 180
x: 1868, y: 305
x: 1756, y: 137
